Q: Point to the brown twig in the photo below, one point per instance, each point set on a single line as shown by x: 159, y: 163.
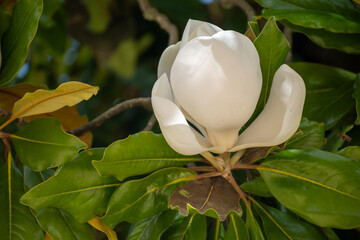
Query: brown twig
x: 152, y: 14
x: 7, y: 115
x: 98, y: 121
x: 244, y: 5
x: 203, y: 169
x: 152, y: 121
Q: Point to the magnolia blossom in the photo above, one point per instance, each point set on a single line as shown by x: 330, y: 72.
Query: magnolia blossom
x: 208, y: 86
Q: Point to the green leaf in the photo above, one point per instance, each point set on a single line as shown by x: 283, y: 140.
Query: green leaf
x: 57, y: 223
x: 356, y: 96
x: 236, y: 229
x: 311, y: 136
x: 252, y: 225
x: 138, y: 199
x: 99, y: 15
x: 42, y: 144
x: 351, y: 152
x: 217, y: 231
x: 257, y: 187
x: 316, y: 19
x: 340, y: 7
x: 282, y: 226
x: 50, y: 8
x: 5, y: 20
x: 76, y: 187
x: 16, y: 221
x: 345, y: 42
x: 151, y: 228
x: 15, y: 43
x: 321, y: 187
x: 272, y: 48
x: 191, y: 227
x: 328, y: 92
x: 139, y: 154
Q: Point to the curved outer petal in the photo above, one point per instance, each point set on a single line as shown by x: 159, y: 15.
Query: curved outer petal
x: 282, y: 114
x: 195, y: 28
x: 177, y: 132
x: 167, y: 59
x: 217, y: 80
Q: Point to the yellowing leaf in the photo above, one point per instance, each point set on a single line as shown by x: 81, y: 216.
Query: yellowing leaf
x: 101, y: 226
x: 68, y: 116
x: 10, y: 95
x: 47, y: 237
x: 46, y: 101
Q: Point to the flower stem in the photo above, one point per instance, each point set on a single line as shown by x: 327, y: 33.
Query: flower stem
x: 237, y: 157
x: 208, y: 156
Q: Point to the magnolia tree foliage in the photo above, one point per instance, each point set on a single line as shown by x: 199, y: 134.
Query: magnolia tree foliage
x: 252, y: 141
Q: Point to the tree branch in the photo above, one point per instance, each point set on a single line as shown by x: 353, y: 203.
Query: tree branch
x: 152, y: 121
x: 152, y: 14
x: 7, y: 115
x: 244, y: 5
x: 98, y: 121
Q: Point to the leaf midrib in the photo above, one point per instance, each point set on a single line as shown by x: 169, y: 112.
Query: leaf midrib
x: 305, y: 179
x: 147, y: 159
x: 42, y: 142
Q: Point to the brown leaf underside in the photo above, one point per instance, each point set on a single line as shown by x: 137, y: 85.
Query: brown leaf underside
x: 208, y: 193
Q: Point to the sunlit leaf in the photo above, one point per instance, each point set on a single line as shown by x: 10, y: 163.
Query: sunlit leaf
x: 139, y: 154
x: 45, y: 101
x: 312, y: 183
x: 138, y: 199
x: 42, y: 144
x: 76, y: 187
x: 351, y: 152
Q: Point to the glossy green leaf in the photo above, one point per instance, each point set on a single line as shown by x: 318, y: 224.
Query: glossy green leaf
x: 217, y: 231
x: 50, y: 8
x: 139, y: 154
x: 138, y: 199
x: 15, y: 43
x: 328, y: 92
x: 312, y: 136
x: 42, y: 144
x: 5, y: 20
x: 335, y: 138
x: 321, y: 187
x: 257, y: 187
x: 345, y: 42
x: 16, y: 220
x: 282, y: 226
x: 57, y: 223
x: 151, y: 228
x: 236, y: 229
x: 356, y: 96
x: 340, y: 7
x: 351, y: 152
x: 191, y: 227
x: 76, y: 187
x: 316, y: 19
x: 253, y: 227
x: 272, y: 48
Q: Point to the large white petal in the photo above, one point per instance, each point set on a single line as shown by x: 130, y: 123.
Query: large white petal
x: 282, y: 114
x: 177, y: 132
x: 217, y: 80
x: 195, y: 28
x: 167, y: 59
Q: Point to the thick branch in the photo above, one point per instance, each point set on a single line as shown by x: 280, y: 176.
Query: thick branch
x: 152, y: 14
x: 244, y: 5
x: 7, y: 115
x: 98, y: 121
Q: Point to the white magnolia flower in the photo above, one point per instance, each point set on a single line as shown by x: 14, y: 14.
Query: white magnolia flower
x: 212, y: 79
